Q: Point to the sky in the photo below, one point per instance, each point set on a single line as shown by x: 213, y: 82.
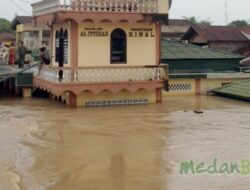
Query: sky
x: 213, y: 10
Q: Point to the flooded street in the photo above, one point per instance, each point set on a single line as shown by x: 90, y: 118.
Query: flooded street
x: 47, y: 146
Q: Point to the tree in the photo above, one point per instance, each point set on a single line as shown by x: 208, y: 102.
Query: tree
x: 238, y: 23
x: 193, y: 20
x: 5, y: 25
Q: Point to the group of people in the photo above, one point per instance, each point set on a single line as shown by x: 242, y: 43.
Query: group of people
x: 18, y: 54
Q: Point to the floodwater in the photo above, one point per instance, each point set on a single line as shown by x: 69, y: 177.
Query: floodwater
x: 47, y: 146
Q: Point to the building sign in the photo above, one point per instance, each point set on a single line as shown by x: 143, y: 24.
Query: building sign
x: 141, y: 33
x: 94, y: 32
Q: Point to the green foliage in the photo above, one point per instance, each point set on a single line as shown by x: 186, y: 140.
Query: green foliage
x: 5, y: 25
x: 239, y: 23
x: 193, y: 20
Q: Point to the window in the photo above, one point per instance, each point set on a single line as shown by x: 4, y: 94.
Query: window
x: 61, y: 45
x: 118, y: 47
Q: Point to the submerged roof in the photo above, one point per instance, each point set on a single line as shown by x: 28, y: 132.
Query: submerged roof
x: 173, y: 49
x: 239, y: 90
x: 218, y: 33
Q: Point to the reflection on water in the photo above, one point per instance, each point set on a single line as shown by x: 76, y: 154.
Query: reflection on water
x: 47, y: 146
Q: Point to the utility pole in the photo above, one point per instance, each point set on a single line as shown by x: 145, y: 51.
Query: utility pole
x: 226, y: 13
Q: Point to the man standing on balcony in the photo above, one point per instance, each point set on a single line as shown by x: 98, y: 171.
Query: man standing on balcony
x: 22, y: 50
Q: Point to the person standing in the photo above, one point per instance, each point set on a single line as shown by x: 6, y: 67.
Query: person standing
x: 44, y: 59
x: 12, y: 54
x: 22, y: 50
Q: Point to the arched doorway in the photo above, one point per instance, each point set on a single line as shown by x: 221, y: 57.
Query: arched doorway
x: 118, y: 47
x: 61, y: 45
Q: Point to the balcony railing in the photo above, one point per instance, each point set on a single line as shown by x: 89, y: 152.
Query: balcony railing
x: 103, y: 74
x: 127, y: 6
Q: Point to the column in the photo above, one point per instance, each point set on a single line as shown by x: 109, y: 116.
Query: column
x: 158, y: 93
x: 72, y: 100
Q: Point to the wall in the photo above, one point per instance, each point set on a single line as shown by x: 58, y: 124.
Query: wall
x: 95, y: 50
x: 31, y: 35
x: 108, y: 96
x: 184, y: 86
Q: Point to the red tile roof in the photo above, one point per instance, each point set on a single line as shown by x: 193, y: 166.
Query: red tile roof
x: 179, y: 22
x: 218, y: 33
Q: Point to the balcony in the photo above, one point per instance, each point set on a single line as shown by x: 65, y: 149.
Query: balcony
x: 97, y: 79
x: 103, y: 74
x: 117, y: 6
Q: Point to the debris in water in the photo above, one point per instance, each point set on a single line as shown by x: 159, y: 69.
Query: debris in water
x: 198, y: 111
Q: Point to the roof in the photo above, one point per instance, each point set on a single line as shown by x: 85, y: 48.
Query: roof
x: 7, y: 36
x: 21, y: 20
x: 179, y: 22
x: 173, y: 50
x: 239, y: 90
x: 218, y: 33
x: 245, y: 50
x: 245, y: 62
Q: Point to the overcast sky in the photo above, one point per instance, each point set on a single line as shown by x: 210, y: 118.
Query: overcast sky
x: 214, y: 10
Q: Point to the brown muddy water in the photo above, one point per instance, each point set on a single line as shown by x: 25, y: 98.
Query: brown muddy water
x: 47, y: 146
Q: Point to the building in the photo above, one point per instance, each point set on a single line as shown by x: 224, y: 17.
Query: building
x: 227, y: 38
x: 187, y: 58
x: 32, y: 36
x: 175, y: 28
x: 106, y: 52
x: 196, y: 70
x: 7, y: 38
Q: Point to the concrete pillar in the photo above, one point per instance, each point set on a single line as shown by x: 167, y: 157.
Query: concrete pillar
x: 27, y: 92
x: 74, y: 44
x: 158, y: 43
x: 158, y: 93
x: 72, y: 100
x: 197, y: 87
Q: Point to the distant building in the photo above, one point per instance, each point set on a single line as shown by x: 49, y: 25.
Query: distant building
x: 7, y: 38
x: 175, y: 29
x: 32, y: 36
x: 227, y: 38
x: 195, y: 70
x: 187, y: 58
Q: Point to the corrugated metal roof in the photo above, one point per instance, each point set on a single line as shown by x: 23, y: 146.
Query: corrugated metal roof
x: 173, y: 49
x: 239, y: 90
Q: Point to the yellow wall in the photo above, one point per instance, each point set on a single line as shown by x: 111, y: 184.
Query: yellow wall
x: 95, y: 51
x: 180, y: 87
x: 7, y: 42
x: 163, y: 6
x: 106, y: 95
